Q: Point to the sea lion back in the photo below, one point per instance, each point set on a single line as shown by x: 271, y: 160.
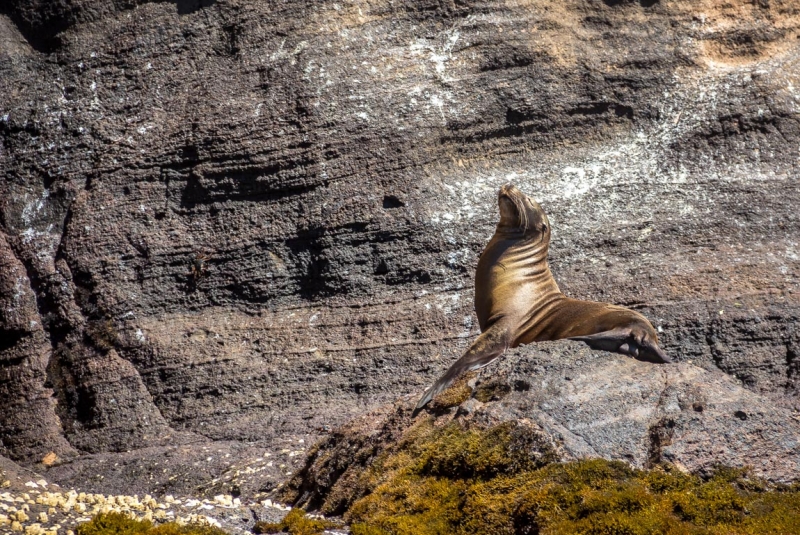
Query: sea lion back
x: 488, y: 276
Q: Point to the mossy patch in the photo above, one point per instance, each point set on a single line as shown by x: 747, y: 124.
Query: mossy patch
x: 458, y: 393
x: 121, y: 524
x: 491, y: 390
x: 296, y: 523
x: 503, y: 480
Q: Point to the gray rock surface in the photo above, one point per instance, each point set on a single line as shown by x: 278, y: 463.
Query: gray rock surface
x: 602, y: 405
x: 29, y: 503
x: 251, y: 221
x: 13, y: 477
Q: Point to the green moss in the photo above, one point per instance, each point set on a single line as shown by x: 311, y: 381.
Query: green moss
x: 121, y: 524
x: 492, y: 390
x: 296, y: 523
x: 503, y: 480
x: 458, y: 393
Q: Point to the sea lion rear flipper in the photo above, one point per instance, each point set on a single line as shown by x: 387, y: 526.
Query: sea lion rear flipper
x: 652, y: 353
x: 623, y: 341
x: 489, y: 346
x: 606, y: 341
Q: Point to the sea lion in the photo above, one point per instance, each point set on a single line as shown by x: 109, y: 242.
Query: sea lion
x: 517, y: 301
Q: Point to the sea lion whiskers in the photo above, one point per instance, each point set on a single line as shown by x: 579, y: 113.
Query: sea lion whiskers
x: 521, y: 303
x: 520, y: 216
x: 523, y: 213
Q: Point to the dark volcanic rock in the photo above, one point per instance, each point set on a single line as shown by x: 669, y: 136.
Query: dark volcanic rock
x: 582, y: 404
x: 255, y: 220
x: 13, y: 477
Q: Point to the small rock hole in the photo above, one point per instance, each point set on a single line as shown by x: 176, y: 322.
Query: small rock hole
x: 391, y: 201
x: 741, y: 415
x: 521, y: 386
x: 698, y: 407
x: 381, y: 267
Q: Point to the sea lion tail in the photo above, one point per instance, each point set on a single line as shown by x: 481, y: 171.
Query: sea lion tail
x: 488, y: 347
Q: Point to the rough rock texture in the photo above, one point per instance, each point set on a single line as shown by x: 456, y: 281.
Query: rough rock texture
x: 13, y: 477
x: 48, y: 507
x: 254, y: 220
x: 587, y: 404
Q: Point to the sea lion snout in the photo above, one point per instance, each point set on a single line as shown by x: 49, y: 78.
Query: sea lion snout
x: 511, y: 192
x: 509, y: 189
x: 520, y: 213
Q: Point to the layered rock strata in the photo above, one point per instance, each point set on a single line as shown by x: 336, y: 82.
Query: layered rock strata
x: 249, y: 222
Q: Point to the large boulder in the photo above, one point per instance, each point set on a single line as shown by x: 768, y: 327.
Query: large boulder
x: 579, y: 404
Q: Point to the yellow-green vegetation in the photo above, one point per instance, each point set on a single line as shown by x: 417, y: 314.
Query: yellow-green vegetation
x: 458, y: 393
x: 455, y: 480
x: 296, y: 523
x: 122, y: 524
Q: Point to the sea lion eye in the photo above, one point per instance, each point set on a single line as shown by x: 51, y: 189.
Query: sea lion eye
x: 544, y: 227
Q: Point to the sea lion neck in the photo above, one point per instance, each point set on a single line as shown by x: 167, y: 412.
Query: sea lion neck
x: 536, y: 246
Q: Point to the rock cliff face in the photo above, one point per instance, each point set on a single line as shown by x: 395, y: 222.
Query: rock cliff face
x: 238, y: 224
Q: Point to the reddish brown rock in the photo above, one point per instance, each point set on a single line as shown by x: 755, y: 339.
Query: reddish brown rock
x: 29, y: 426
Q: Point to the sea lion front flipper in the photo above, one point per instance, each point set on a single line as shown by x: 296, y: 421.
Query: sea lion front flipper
x: 489, y: 346
x: 623, y: 340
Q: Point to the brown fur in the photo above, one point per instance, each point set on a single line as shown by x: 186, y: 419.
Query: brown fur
x: 518, y: 301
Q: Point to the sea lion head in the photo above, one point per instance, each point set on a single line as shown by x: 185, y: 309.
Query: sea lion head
x: 519, y: 214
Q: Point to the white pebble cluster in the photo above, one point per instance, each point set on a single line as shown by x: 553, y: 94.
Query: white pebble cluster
x: 58, y: 512
x: 33, y: 509
x: 275, y: 505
